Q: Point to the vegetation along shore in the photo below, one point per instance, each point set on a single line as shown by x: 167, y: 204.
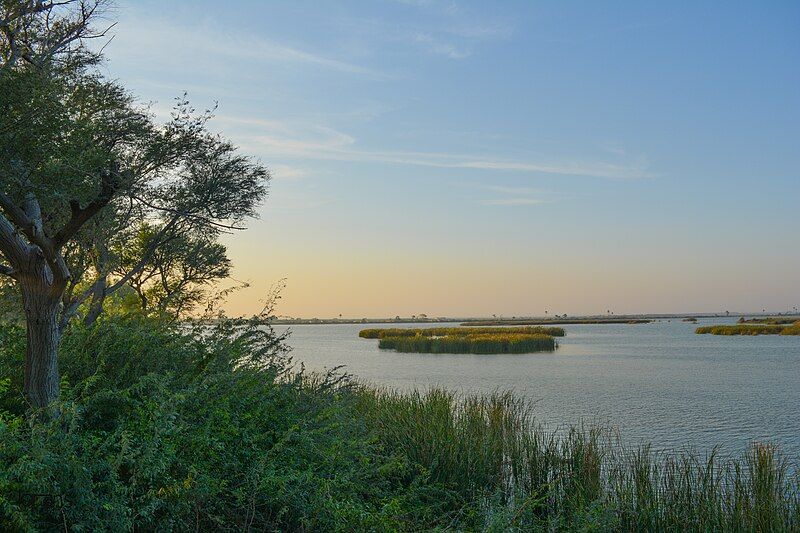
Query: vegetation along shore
x: 167, y: 426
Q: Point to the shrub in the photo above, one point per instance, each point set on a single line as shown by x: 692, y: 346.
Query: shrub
x: 175, y: 428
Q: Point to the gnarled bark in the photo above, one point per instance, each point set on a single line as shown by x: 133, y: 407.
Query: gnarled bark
x: 41, y: 357
x: 41, y: 306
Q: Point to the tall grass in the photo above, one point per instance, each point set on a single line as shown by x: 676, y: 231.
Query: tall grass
x: 475, y: 344
x: 488, y: 449
x: 377, y: 333
x: 751, y: 329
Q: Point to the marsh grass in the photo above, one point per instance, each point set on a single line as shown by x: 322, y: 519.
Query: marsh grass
x: 489, y: 449
x: 792, y: 330
x: 751, y: 329
x: 377, y: 333
x: 770, y: 320
x: 530, y: 322
x: 474, y: 344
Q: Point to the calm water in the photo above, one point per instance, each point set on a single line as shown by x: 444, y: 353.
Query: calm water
x: 658, y: 382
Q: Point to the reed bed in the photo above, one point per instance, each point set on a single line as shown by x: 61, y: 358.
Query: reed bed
x: 529, y: 322
x: 488, y: 449
x: 787, y: 320
x: 474, y: 344
x: 377, y: 333
x: 792, y: 330
x: 751, y: 329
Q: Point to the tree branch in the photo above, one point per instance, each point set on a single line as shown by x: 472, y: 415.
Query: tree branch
x: 189, y: 215
x: 151, y: 249
x: 108, y: 186
x: 13, y: 247
x: 14, y: 212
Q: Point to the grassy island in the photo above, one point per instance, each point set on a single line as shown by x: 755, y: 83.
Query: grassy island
x: 475, y: 344
x: 751, y: 329
x: 379, y: 333
x: 467, y: 340
x: 785, y: 320
x: 542, y: 322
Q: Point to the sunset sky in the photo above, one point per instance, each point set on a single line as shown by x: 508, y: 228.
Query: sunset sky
x: 475, y: 158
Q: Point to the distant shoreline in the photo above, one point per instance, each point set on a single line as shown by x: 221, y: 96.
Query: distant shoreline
x: 475, y: 321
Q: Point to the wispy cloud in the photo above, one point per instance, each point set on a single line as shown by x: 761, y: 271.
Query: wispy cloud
x: 175, y: 44
x: 300, y: 141
x: 324, y: 143
x: 287, y: 172
x: 634, y: 170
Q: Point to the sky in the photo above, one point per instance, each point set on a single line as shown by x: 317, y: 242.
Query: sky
x: 460, y: 158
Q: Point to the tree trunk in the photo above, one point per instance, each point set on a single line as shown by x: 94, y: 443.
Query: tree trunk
x: 97, y: 301
x: 41, y: 357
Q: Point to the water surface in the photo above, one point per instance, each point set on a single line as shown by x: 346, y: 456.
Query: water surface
x: 658, y: 382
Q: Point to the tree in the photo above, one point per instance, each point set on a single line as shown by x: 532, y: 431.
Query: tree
x: 173, y: 280
x: 81, y: 163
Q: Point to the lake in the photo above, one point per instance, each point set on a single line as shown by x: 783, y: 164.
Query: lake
x: 659, y: 383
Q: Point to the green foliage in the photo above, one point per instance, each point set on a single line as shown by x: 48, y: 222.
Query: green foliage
x: 185, y: 427
x: 175, y: 277
x: 750, y: 329
x: 173, y: 429
x: 378, y: 333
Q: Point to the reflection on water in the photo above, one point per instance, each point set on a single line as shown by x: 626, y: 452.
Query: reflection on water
x: 658, y: 382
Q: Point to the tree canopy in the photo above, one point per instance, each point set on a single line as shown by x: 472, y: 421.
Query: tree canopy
x: 95, y: 193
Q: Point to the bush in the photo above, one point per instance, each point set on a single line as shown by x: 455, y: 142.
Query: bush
x: 180, y: 428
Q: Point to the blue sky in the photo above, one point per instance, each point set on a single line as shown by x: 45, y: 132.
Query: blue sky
x: 476, y: 158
